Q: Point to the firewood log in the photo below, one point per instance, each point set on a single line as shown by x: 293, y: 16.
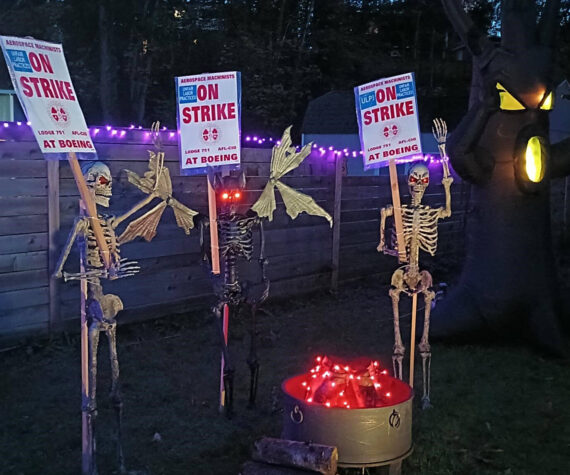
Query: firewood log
x: 318, y: 458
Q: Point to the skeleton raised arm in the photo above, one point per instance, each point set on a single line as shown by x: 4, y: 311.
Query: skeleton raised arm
x: 439, y: 131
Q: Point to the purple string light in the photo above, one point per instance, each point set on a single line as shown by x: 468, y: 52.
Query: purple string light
x: 121, y: 132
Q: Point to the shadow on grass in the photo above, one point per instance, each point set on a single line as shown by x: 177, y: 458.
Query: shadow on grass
x: 496, y: 410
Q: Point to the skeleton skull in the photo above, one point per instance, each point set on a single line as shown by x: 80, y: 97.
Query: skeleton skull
x: 98, y: 178
x: 418, y: 181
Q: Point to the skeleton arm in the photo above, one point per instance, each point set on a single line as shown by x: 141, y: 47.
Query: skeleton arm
x: 204, y: 223
x: 115, y: 222
x: 80, y: 226
x: 446, y: 211
x: 384, y: 213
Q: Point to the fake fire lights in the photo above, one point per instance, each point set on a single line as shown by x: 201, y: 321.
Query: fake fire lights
x: 357, y: 407
x: 361, y: 384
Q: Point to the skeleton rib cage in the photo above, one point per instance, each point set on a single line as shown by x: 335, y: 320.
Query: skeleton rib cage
x: 421, y: 223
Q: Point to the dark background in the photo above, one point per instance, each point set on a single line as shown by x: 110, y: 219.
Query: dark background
x: 123, y: 55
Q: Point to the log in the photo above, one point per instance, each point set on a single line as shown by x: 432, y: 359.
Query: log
x: 319, y: 458
x: 258, y: 468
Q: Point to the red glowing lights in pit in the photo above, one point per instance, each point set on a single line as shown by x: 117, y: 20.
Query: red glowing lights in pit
x: 361, y: 384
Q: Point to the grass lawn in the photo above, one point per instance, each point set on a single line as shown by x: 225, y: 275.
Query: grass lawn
x: 496, y: 410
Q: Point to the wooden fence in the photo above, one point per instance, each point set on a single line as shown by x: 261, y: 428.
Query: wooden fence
x: 39, y: 201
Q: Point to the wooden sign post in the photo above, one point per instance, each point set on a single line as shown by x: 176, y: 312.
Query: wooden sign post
x: 402, y: 255
x: 90, y: 208
x: 215, y: 251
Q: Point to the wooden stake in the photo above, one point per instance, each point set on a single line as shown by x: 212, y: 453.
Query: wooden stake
x: 336, y: 221
x: 397, y: 211
x: 413, y: 338
x: 213, y: 229
x: 91, y: 209
x: 215, y: 251
x: 86, y: 429
x: 225, y: 324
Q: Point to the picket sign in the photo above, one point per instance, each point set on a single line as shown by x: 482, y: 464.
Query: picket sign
x: 43, y: 85
x: 388, y: 123
x: 208, y: 108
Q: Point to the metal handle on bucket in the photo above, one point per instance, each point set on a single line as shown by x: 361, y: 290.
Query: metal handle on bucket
x: 296, y: 415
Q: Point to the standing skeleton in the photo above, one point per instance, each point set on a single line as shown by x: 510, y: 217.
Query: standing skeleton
x: 236, y: 242
x: 420, y: 232
x: 101, y: 309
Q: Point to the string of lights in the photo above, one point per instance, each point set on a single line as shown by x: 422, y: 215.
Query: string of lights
x: 144, y: 134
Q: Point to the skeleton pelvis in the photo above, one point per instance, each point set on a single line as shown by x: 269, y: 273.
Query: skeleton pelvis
x: 411, y: 281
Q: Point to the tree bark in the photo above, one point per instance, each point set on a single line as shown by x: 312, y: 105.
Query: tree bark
x: 107, y: 85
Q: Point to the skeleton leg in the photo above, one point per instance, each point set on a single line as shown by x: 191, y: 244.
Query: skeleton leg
x: 90, y: 406
x: 399, y: 349
x: 424, y: 346
x: 228, y: 368
x: 115, y: 394
x: 252, y: 361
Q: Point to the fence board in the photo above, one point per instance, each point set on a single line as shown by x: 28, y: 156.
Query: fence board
x: 171, y: 279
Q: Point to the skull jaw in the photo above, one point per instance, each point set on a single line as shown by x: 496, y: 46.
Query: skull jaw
x: 417, y: 193
x: 102, y: 200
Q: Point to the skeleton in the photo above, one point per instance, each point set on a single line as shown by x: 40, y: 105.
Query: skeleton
x: 101, y: 309
x: 420, y: 233
x: 236, y: 242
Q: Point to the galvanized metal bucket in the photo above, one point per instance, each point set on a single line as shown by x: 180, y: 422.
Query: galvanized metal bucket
x: 364, y: 437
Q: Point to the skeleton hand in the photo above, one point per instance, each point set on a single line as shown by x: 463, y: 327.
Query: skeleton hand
x: 125, y: 269
x: 439, y: 131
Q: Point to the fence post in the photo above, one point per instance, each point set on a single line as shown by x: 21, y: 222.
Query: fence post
x: 338, y: 173
x: 53, y: 248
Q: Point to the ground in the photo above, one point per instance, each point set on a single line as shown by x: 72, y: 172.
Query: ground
x: 496, y: 410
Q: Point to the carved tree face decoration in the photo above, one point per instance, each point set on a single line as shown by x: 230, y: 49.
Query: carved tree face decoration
x: 99, y: 180
x: 418, y: 181
x: 502, y: 146
x: 229, y: 191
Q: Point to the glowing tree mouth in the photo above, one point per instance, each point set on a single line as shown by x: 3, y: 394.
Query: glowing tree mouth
x: 533, y: 160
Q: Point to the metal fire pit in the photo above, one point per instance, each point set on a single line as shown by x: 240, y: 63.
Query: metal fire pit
x: 365, y: 437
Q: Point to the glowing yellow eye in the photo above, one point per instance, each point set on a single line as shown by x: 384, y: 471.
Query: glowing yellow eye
x: 507, y: 101
x: 548, y: 102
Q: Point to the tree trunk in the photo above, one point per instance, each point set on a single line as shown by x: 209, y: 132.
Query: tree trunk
x: 508, y: 284
x: 107, y: 84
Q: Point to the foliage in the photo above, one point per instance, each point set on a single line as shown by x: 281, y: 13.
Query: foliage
x: 123, y: 55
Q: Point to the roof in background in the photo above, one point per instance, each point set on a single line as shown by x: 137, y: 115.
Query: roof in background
x: 331, y: 113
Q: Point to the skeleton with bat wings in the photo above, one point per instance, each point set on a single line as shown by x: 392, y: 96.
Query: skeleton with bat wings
x: 101, y: 309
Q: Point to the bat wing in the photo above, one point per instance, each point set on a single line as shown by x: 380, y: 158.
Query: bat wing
x: 184, y: 215
x: 265, y: 205
x: 297, y: 202
x: 144, y: 226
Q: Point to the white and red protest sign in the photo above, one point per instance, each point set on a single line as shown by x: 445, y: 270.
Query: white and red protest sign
x: 387, y: 113
x: 43, y: 85
x: 209, y: 111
